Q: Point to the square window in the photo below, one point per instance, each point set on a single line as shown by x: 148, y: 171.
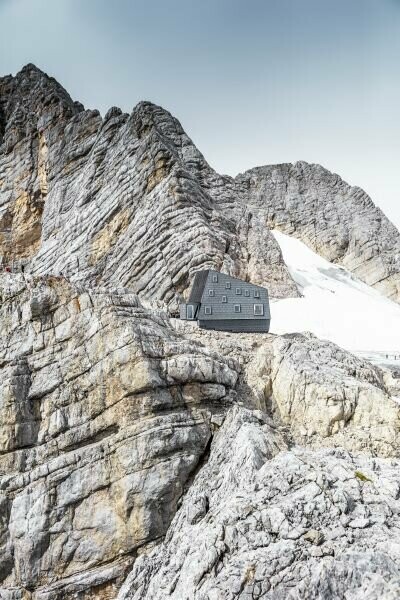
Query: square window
x: 247, y: 292
x: 238, y: 291
x: 237, y: 308
x: 211, y: 293
x: 228, y: 285
x: 259, y: 310
x: 207, y: 310
x: 215, y: 278
x: 256, y: 293
x: 224, y: 299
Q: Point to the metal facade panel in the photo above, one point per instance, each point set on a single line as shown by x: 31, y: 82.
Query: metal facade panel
x: 196, y: 291
x: 244, y: 326
x: 222, y: 310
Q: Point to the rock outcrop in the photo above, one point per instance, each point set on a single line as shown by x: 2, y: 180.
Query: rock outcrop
x: 141, y: 457
x: 105, y: 414
x: 330, y: 397
x: 34, y: 112
x: 129, y: 200
x: 125, y: 200
x: 263, y: 521
x: 338, y: 221
x: 319, y: 393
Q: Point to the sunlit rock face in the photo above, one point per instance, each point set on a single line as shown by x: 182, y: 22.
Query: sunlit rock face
x: 105, y: 413
x: 337, y: 220
x: 34, y: 111
x: 329, y: 397
x: 142, y: 457
x: 121, y: 200
x: 265, y: 521
x: 129, y: 199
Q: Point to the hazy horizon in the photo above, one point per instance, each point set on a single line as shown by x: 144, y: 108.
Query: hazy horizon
x: 253, y: 83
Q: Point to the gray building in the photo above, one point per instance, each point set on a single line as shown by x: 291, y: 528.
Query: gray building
x: 219, y: 301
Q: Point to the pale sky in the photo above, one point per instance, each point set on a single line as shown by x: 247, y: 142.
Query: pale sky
x: 253, y: 82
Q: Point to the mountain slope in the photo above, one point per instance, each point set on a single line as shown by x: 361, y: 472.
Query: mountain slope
x: 336, y: 220
x: 125, y: 199
x: 211, y: 465
x: 130, y: 200
x: 297, y: 524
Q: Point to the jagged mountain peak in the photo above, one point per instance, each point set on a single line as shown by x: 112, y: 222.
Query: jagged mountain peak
x: 100, y: 193
x: 32, y: 100
x: 212, y: 463
x: 32, y: 68
x: 29, y: 69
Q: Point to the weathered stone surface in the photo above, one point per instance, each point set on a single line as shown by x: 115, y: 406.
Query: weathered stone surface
x: 34, y: 111
x: 338, y: 221
x: 328, y: 396
x: 108, y: 408
x: 124, y: 200
x: 105, y: 412
x: 262, y: 521
x: 130, y: 200
x: 322, y: 394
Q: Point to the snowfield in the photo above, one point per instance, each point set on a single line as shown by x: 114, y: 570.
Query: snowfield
x: 335, y: 305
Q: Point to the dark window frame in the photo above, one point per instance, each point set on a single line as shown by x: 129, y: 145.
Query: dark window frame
x: 258, y: 306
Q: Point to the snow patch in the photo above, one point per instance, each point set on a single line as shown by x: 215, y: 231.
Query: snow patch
x: 335, y: 305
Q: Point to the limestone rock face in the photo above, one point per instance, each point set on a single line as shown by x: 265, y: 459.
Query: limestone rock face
x: 262, y: 521
x: 330, y: 397
x: 141, y: 457
x: 34, y: 111
x: 105, y: 413
x: 125, y: 200
x: 336, y: 220
x: 319, y: 393
x: 129, y: 200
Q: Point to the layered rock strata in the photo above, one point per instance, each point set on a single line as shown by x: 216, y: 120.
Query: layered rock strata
x: 139, y: 455
x: 125, y: 200
x: 129, y: 200
x: 263, y: 521
x: 338, y: 221
x: 105, y: 414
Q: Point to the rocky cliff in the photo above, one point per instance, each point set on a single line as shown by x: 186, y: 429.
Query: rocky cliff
x: 263, y: 520
x: 125, y: 200
x: 141, y: 457
x: 336, y: 220
x: 105, y: 414
x: 129, y: 200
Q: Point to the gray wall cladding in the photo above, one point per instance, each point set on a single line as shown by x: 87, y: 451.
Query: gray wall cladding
x: 199, y: 281
x: 247, y: 325
x: 226, y: 311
